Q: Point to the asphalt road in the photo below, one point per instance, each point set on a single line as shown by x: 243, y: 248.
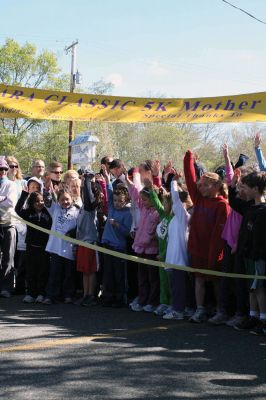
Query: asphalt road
x: 70, y: 352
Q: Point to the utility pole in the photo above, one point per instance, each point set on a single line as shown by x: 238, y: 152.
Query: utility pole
x: 72, y: 47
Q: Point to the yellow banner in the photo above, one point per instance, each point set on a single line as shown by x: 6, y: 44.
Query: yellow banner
x: 20, y: 102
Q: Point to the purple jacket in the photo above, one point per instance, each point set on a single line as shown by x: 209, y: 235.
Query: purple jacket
x: 145, y: 241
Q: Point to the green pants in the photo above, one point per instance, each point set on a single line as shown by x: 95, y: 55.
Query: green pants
x: 165, y: 292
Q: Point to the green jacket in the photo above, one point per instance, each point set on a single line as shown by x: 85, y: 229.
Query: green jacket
x: 162, y: 228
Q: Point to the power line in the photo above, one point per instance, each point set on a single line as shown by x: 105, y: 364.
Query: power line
x: 245, y: 12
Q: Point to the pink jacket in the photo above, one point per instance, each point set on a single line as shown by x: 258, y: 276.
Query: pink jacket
x: 232, y: 225
x: 145, y: 241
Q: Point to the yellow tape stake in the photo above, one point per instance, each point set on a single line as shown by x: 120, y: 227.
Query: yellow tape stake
x: 135, y: 258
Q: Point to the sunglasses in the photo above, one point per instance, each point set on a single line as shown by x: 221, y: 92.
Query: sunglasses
x: 3, y: 169
x: 38, y: 166
x: 13, y: 166
x: 57, y: 172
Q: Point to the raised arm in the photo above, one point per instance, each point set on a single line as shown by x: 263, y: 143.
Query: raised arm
x: 190, y: 175
x: 258, y: 151
x: 19, y: 206
x: 157, y: 204
x: 178, y: 208
x: 228, y: 166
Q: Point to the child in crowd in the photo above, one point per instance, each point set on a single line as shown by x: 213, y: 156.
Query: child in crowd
x: 205, y: 244
x: 37, y: 260
x: 74, y: 188
x: 164, y: 208
x: 232, y: 262
x: 177, y: 250
x: 252, y: 244
x: 114, y: 237
x: 87, y: 231
x: 62, y: 267
x: 146, y: 246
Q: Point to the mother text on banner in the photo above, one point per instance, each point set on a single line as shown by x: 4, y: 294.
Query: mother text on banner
x: 20, y: 102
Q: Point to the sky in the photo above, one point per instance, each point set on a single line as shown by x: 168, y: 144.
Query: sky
x: 154, y: 48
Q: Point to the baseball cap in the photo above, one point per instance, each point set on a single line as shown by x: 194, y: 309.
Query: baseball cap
x: 3, y: 163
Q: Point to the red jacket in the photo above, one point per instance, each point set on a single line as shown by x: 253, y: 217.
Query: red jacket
x: 207, y: 222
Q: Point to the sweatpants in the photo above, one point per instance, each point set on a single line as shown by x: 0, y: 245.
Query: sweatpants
x: 8, y: 244
x: 37, y: 269
x: 61, y: 281
x: 148, y: 282
x: 114, y: 279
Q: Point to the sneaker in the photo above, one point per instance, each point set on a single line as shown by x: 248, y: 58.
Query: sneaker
x: 149, y: 308
x: 68, y: 300
x: 174, y: 315
x: 218, y: 319
x: 5, y: 293
x: 199, y: 316
x: 260, y: 329
x: 161, y: 309
x: 47, y: 301
x: 29, y: 299
x: 168, y: 310
x: 135, y: 301
x: 236, y: 319
x: 247, y: 324
x: 188, y: 312
x: 136, y: 307
x: 39, y: 299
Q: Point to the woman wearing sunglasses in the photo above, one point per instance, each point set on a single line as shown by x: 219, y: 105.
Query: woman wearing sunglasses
x: 53, y: 176
x: 14, y: 174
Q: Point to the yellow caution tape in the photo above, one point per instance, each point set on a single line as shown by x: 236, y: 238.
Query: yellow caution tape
x: 138, y: 259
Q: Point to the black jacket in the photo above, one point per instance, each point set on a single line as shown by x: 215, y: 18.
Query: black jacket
x: 252, y: 237
x: 44, y: 220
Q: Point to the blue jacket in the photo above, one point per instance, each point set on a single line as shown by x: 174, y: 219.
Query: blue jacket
x: 113, y: 236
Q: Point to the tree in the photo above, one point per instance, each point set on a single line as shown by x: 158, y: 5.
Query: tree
x: 21, y: 65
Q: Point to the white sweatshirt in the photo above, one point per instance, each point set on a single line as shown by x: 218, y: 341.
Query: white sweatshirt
x: 177, y: 231
x: 64, y: 220
x: 8, y: 200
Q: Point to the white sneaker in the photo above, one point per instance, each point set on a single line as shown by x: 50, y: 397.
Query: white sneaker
x: 28, y: 299
x: 174, y: 315
x: 161, y: 309
x: 168, y: 310
x: 135, y: 301
x: 39, y: 299
x: 218, y: 319
x: 199, y: 315
x: 5, y: 293
x: 236, y: 319
x: 136, y: 307
x: 149, y: 308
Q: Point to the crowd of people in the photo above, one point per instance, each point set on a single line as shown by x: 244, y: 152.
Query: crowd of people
x: 205, y: 220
